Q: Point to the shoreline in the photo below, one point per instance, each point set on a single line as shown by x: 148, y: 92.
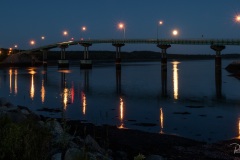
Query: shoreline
x: 125, y: 143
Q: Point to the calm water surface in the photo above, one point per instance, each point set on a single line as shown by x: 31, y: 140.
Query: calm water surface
x: 133, y: 97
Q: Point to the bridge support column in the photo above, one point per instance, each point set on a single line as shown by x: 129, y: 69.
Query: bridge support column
x: 118, y: 54
x: 86, y: 63
x: 164, y: 67
x: 218, y: 69
x: 63, y: 63
x: 44, y: 57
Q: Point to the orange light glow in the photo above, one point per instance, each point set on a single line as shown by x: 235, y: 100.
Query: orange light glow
x: 84, y: 102
x: 43, y: 92
x: 161, y: 120
x: 65, y: 33
x: 121, y: 113
x: 160, y: 22
x: 121, y: 25
x: 32, y: 88
x: 175, y: 32
x: 65, y: 98
x: 175, y: 79
x: 238, y: 128
x: 15, y: 82
x: 32, y: 42
x: 237, y: 18
x: 84, y: 28
x: 10, y: 80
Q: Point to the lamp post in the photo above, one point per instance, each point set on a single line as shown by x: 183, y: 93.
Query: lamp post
x: 65, y: 33
x: 122, y: 26
x: 84, y: 29
x: 15, y: 46
x: 159, y: 24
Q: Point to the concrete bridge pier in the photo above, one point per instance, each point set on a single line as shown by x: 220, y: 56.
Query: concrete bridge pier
x: 218, y: 69
x: 164, y: 48
x: 118, y: 54
x: 63, y: 63
x: 164, y: 68
x: 86, y: 63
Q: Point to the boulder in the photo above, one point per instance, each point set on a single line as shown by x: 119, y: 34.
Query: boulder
x: 74, y: 154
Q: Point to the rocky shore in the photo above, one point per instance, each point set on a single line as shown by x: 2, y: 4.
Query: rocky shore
x: 70, y: 140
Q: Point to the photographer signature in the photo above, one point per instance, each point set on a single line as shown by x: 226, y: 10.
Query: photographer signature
x: 237, y: 148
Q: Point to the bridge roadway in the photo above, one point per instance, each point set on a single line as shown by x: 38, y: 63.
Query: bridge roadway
x: 221, y: 42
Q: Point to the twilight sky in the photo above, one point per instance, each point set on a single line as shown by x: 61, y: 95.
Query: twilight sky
x: 24, y: 20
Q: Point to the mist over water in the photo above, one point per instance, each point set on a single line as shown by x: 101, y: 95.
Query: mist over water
x: 133, y: 97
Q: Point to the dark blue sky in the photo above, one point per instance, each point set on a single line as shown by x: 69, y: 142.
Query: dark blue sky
x: 24, y: 20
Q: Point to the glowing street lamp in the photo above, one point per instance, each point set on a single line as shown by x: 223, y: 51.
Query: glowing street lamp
x: 65, y: 33
x: 175, y: 32
x: 84, y: 28
x: 15, y: 46
x: 237, y: 18
x: 32, y: 42
x: 42, y: 37
x: 159, y: 24
x: 122, y: 26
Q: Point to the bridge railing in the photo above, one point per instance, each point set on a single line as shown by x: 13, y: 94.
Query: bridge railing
x: 142, y: 41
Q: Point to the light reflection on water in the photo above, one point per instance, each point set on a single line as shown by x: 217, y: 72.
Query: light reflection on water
x: 175, y: 79
x: 133, y: 96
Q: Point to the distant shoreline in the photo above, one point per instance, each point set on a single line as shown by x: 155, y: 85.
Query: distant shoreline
x: 107, y: 57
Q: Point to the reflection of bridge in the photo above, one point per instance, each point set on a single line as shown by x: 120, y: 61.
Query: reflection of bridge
x: 216, y: 44
x: 142, y: 41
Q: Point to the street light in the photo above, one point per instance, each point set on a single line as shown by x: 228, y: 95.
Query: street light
x: 84, y: 29
x: 175, y: 32
x: 122, y: 26
x: 42, y: 37
x: 15, y: 46
x: 159, y: 24
x: 65, y: 33
x: 32, y: 42
x: 237, y: 18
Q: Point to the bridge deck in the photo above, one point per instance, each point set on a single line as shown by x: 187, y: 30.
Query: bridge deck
x: 143, y: 41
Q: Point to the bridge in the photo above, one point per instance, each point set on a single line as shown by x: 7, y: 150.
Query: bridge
x: 216, y: 44
x: 221, y: 42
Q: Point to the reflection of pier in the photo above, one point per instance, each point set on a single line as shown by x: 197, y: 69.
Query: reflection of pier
x: 67, y: 93
x: 11, y: 80
x: 218, y: 77
x: 118, y: 80
x: 86, y: 79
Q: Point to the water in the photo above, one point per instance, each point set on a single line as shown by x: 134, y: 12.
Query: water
x: 191, y: 108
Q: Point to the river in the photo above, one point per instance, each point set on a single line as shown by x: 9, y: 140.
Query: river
x: 133, y: 97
